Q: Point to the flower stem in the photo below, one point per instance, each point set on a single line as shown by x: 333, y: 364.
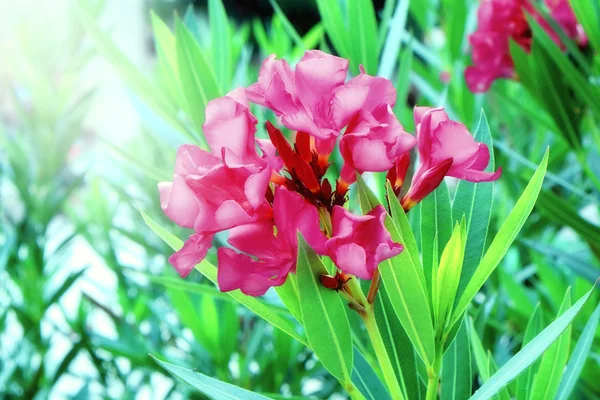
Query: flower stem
x: 382, y: 355
x: 375, y: 282
x: 433, y: 372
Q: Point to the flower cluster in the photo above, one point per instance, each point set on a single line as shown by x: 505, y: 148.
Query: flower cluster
x: 265, y: 191
x: 499, y: 21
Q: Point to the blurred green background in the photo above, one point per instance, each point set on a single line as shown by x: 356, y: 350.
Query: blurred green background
x: 90, y: 120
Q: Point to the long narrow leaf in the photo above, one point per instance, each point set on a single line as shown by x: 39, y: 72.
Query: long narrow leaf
x: 324, y: 315
x: 530, y: 353
x: 504, y: 238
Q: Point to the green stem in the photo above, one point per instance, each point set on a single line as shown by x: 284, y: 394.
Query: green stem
x: 433, y: 372
x: 382, y: 356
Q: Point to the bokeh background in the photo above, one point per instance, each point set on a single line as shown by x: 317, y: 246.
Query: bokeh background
x: 86, y: 293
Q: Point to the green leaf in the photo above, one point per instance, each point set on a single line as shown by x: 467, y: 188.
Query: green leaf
x: 211, y: 387
x: 198, y: 80
x: 407, y: 236
x: 263, y: 310
x: 562, y: 212
x: 66, y: 285
x: 578, y: 358
x: 547, y: 378
x: 403, y: 356
x: 525, y: 380
x: 150, y: 94
x: 391, y: 47
x: 173, y: 241
x: 220, y: 33
x: 474, y: 201
x: 404, y: 286
x: 568, y: 70
x: 289, y: 27
x: 436, y: 220
x: 588, y: 15
x: 363, y: 35
x: 552, y: 90
x: 366, y: 380
x: 167, y: 57
x: 288, y: 293
x: 333, y: 22
x: 403, y: 79
x: 530, y: 352
x: 457, y: 375
x: 448, y: 274
x: 324, y: 315
x: 503, y: 239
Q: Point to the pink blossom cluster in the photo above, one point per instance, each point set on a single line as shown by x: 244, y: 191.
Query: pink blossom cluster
x: 265, y: 191
x: 499, y: 21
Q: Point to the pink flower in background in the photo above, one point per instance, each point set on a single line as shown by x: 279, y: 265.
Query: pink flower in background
x: 269, y: 246
x: 446, y: 148
x: 498, y: 22
x: 562, y: 12
x: 360, y: 242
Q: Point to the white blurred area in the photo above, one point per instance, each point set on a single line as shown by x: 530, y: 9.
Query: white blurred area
x: 43, y: 27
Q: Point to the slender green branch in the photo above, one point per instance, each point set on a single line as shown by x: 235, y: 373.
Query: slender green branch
x: 433, y: 372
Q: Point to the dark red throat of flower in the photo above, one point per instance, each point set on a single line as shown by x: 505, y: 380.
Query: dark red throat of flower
x: 305, y: 168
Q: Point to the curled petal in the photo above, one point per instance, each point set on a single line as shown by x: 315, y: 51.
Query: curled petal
x: 252, y: 277
x: 293, y: 213
x: 230, y: 125
x: 318, y: 74
x: 360, y: 242
x: 178, y: 202
x: 193, y: 252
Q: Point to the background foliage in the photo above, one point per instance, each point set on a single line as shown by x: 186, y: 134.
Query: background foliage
x: 70, y: 195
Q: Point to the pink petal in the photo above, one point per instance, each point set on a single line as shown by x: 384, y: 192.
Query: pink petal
x: 192, y: 253
x: 347, y: 101
x: 350, y: 258
x: 259, y: 240
x: 317, y: 76
x: 231, y: 214
x: 380, y: 91
x: 365, y: 154
x: 293, y: 213
x: 301, y: 121
x: 256, y: 187
x: 178, y: 202
x: 230, y: 125
x: 253, y: 278
x: 193, y: 160
x: 478, y: 176
x: 452, y: 139
x: 278, y: 99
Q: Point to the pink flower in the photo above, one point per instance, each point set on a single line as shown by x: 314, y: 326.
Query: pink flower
x: 360, y: 242
x: 498, y: 22
x: 269, y: 247
x: 563, y: 14
x: 374, y: 138
x: 446, y: 148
